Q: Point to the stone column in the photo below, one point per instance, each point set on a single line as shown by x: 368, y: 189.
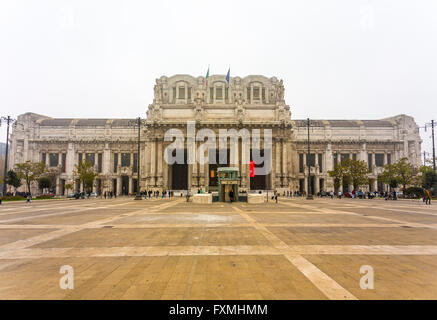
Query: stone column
x: 58, y: 186
x: 284, y: 158
x: 160, y: 160
x: 106, y: 161
x: 69, y: 166
x: 245, y: 165
x: 146, y: 156
x: 363, y: 152
x: 165, y: 183
x: 118, y: 185
x: 153, y: 160
x: 316, y: 184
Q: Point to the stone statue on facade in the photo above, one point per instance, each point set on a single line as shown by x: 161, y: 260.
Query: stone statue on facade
x: 240, y: 111
x: 158, y: 92
x: 280, y: 92
x: 199, y: 106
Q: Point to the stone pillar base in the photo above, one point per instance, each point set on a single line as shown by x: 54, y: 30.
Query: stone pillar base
x: 203, y: 198
x: 256, y: 198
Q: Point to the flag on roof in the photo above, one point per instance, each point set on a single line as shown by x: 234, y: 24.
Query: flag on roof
x: 228, y: 75
x: 207, y: 76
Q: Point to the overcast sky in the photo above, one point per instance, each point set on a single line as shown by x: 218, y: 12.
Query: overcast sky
x: 339, y: 59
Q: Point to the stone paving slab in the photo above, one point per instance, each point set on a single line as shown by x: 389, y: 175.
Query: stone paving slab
x: 171, y: 249
x: 355, y: 236
x: 11, y: 235
x: 396, y: 276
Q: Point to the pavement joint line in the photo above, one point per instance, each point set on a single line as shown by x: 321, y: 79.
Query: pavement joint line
x: 400, y: 222
x: 296, y: 253
x: 328, y: 286
x: 154, y: 251
x: 211, y: 225
x: 24, y: 243
x: 407, y: 211
x: 58, y: 213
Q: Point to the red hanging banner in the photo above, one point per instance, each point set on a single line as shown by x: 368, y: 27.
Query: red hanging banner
x: 252, y: 169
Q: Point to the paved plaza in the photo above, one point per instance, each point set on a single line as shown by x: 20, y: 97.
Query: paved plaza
x: 171, y: 249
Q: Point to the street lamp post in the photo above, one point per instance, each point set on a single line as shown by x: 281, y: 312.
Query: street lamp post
x: 310, y: 194
x: 138, y: 123
x: 8, y: 120
x: 426, y: 126
x: 138, y: 195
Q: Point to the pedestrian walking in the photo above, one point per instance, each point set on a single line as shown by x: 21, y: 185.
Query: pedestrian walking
x: 427, y: 196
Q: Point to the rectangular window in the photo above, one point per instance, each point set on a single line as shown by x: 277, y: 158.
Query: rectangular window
x: 256, y: 93
x: 181, y: 92
x: 64, y: 162
x: 344, y: 156
x: 388, y: 158
x: 53, y: 159
x: 189, y: 94
x: 369, y: 161
x: 43, y: 158
x: 320, y: 162
x: 115, y: 162
x: 354, y: 157
x: 99, y: 162
x: 174, y: 94
x: 311, y: 160
x: 219, y: 93
x: 335, y: 160
x: 135, y: 168
x: 125, y: 159
x: 226, y: 93
x: 379, y: 159
x: 301, y: 162
x: 264, y: 94
x: 301, y: 185
x: 322, y: 185
x: 91, y: 158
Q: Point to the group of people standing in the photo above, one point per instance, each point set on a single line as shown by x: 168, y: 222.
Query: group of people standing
x: 156, y: 194
x: 109, y: 195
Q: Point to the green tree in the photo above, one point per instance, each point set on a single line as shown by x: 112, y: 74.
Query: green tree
x: 406, y: 173
x: 358, y: 172
x: 44, y: 183
x: 401, y: 173
x: 68, y: 186
x: 12, y: 179
x: 340, y: 175
x: 350, y: 171
x: 389, y: 176
x: 30, y: 171
x: 86, y: 174
x: 429, y: 178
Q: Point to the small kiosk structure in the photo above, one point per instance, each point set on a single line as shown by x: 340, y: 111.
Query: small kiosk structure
x: 227, y: 182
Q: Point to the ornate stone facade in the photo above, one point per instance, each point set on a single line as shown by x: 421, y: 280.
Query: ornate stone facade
x: 252, y: 102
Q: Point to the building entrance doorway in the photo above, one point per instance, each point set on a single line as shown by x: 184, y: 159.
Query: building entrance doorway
x: 259, y: 181
x: 178, y: 173
x: 124, y: 185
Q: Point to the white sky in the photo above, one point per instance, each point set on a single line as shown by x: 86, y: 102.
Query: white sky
x: 339, y: 59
